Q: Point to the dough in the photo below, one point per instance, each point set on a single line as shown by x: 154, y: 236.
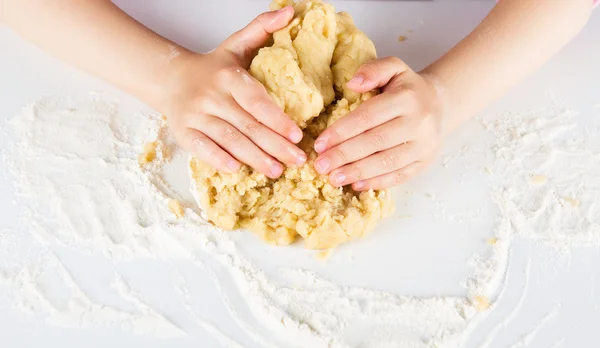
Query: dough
x: 305, y: 71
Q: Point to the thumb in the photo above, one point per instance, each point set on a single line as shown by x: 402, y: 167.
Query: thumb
x: 376, y: 74
x: 247, y: 41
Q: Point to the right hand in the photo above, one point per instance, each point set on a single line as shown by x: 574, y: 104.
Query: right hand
x: 223, y: 116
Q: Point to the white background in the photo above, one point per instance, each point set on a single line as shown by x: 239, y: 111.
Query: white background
x: 419, y: 256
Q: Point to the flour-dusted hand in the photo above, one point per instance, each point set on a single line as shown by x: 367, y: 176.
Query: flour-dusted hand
x: 390, y: 137
x: 223, y: 116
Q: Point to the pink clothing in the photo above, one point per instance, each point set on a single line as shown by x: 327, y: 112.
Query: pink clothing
x: 596, y: 2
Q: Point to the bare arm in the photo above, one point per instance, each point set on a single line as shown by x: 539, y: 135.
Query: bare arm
x: 515, y: 39
x: 215, y: 109
x: 99, y: 38
x: 395, y: 135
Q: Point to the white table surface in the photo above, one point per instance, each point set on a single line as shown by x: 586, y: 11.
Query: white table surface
x: 426, y: 262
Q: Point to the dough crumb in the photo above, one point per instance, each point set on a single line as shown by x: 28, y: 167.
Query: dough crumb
x: 481, y: 303
x: 149, y: 153
x: 323, y: 256
x: 538, y: 179
x: 176, y: 208
x: 492, y: 241
x: 305, y: 71
x: 572, y: 201
x: 402, y: 38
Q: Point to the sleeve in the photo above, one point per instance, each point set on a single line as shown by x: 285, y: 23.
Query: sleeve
x: 596, y: 2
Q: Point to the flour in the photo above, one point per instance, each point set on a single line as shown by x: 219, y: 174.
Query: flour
x: 79, y: 310
x: 513, y: 314
x: 563, y: 210
x: 526, y: 340
x: 80, y: 186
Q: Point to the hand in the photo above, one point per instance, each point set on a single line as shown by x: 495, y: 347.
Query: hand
x: 390, y: 137
x: 222, y: 115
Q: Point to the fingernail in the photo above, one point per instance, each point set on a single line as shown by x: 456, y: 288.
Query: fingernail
x: 276, y: 15
x: 276, y: 170
x: 301, y: 159
x: 296, y: 135
x: 357, y: 80
x: 280, y: 11
x: 359, y: 185
x: 322, y: 165
x: 339, y: 178
x: 233, y: 165
x: 320, y: 146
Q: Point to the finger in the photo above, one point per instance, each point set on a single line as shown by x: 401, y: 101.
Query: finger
x: 237, y: 144
x: 252, y: 96
x: 376, y: 165
x: 392, y: 179
x: 376, y: 73
x: 247, y: 41
x: 199, y: 145
x: 269, y: 141
x: 377, y: 139
x: 372, y: 113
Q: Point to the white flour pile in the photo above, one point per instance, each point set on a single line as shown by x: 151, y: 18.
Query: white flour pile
x: 79, y: 184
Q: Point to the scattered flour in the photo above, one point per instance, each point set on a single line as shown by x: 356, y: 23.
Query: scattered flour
x: 562, y: 209
x: 526, y: 340
x: 77, y: 161
x: 512, y: 315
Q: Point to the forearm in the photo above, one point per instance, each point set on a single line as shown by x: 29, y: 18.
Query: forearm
x: 515, y: 39
x: 99, y: 38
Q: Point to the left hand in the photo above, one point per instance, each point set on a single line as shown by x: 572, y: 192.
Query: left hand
x: 390, y: 137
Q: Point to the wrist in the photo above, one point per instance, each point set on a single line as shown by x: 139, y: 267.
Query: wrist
x: 170, y: 79
x: 444, y: 108
x: 454, y: 111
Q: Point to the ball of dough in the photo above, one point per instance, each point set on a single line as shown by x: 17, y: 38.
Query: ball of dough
x: 305, y: 71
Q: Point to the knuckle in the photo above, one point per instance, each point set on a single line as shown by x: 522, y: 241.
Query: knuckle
x: 334, y: 134
x: 341, y: 154
x: 228, y: 134
x: 400, y: 177
x: 422, y: 121
x: 394, y: 60
x: 257, y: 103
x: 398, y: 64
x: 198, y: 143
x: 228, y: 74
x: 376, y: 183
x: 378, y: 138
x: 251, y: 128
x: 264, y: 163
x: 363, y: 115
x: 408, y: 94
x: 216, y: 157
x: 398, y: 101
x: 370, y: 68
x: 357, y: 172
x: 205, y: 104
x: 389, y: 161
x: 261, y: 20
x: 285, y: 151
